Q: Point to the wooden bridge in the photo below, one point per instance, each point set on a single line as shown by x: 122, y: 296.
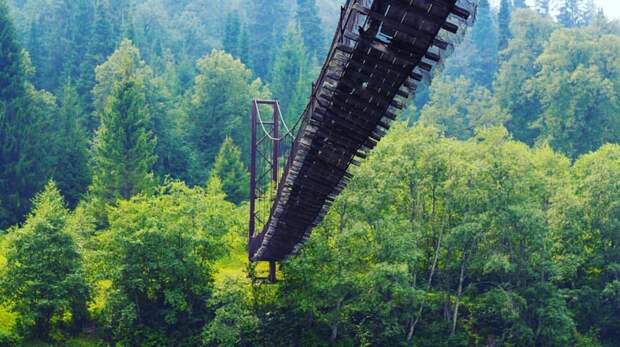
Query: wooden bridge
x: 380, y: 52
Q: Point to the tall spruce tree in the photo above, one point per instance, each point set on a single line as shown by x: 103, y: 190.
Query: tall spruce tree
x: 589, y: 12
x: 59, y: 40
x: 298, y: 103
x: 72, y: 173
x: 311, y: 28
x: 288, y: 69
x: 79, y: 27
x: 476, y: 59
x: 485, y: 39
x: 232, y: 34
x: 569, y: 13
x: 268, y: 24
x: 232, y: 172
x: 12, y: 75
x: 244, y: 45
x: 503, y: 21
x: 100, y: 46
x: 124, y: 148
x: 24, y: 114
x: 161, y: 99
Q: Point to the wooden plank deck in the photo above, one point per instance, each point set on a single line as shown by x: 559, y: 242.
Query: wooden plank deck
x: 381, y: 50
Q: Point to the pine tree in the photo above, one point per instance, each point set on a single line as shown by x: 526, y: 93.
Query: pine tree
x: 58, y: 41
x: 24, y: 114
x: 100, y: 46
x: 244, y: 45
x: 12, y: 76
x: 232, y: 172
x: 232, y: 34
x: 588, y: 13
x: 287, y: 70
x: 268, y: 22
x: 43, y: 281
x: 476, y: 58
x: 504, y: 24
x: 569, y: 13
x: 311, y: 28
x: 72, y: 174
x: 124, y: 149
x: 485, y: 40
x: 38, y: 48
x: 79, y: 27
x: 300, y: 97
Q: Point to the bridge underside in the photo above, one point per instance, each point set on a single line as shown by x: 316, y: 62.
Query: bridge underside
x: 380, y: 52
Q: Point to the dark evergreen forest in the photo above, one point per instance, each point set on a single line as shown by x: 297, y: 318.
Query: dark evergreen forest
x: 488, y: 216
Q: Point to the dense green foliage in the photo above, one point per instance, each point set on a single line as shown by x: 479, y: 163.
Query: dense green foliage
x: 43, y: 281
x: 158, y: 253
x: 123, y: 149
x: 218, y: 106
x: 233, y: 174
x: 24, y: 155
x: 491, y: 217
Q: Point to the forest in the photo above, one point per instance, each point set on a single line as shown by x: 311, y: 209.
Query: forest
x: 488, y: 216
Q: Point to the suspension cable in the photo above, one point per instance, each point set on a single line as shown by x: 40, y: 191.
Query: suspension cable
x: 288, y: 131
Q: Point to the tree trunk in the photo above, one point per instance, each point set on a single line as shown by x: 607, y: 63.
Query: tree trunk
x: 334, y: 334
x: 428, y: 288
x: 458, y: 296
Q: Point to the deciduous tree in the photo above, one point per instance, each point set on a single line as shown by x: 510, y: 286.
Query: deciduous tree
x: 218, y: 107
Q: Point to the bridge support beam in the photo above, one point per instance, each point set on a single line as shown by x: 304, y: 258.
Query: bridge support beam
x: 272, y: 272
x: 265, y: 154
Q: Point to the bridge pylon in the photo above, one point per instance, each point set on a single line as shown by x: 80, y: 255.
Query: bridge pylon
x: 270, y: 139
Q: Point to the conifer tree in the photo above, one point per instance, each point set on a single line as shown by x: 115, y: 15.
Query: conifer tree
x: 588, y: 13
x: 519, y: 3
x: 232, y: 172
x: 124, y: 148
x: 485, y: 39
x: 300, y: 97
x: 125, y: 61
x: 504, y: 24
x: 310, y: 27
x: 72, y: 174
x: 12, y: 76
x: 24, y: 114
x: 80, y: 16
x: 266, y: 28
x: 44, y: 281
x: 288, y: 69
x: 100, y: 46
x: 232, y: 34
x: 476, y: 59
x: 244, y: 45
x: 160, y: 100
x: 58, y: 41
x: 569, y: 13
